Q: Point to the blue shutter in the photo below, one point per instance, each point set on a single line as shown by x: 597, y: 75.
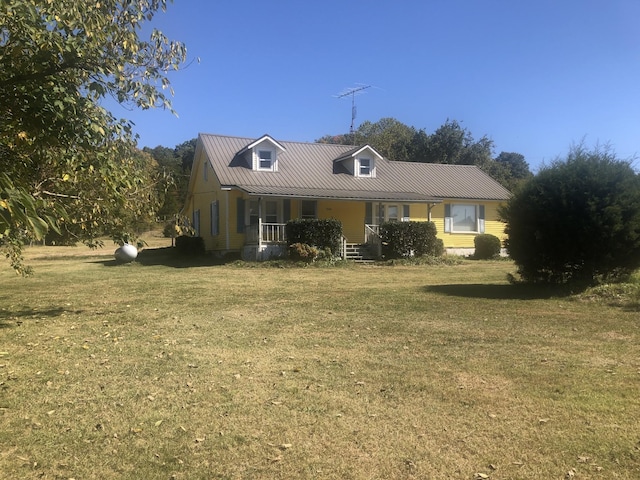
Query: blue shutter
x: 481, y: 218
x: 448, y: 221
x: 215, y: 218
x: 196, y: 222
x: 240, y: 215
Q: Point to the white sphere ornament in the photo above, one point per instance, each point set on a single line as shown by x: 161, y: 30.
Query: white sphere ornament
x: 126, y: 253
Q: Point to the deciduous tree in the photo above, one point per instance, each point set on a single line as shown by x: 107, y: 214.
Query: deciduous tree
x: 62, y: 154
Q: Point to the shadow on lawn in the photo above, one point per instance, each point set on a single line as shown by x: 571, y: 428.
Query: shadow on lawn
x: 11, y: 318
x: 168, y: 257
x: 497, y: 292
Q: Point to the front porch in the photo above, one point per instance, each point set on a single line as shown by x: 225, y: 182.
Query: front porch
x: 264, y: 241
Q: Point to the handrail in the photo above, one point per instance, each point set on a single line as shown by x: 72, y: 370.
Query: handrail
x: 372, y: 238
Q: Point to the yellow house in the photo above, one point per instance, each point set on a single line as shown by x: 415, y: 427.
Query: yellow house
x: 242, y: 191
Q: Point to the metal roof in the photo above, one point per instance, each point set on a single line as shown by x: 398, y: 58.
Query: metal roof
x: 306, y: 170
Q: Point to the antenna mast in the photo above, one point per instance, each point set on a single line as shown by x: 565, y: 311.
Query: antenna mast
x: 352, y: 92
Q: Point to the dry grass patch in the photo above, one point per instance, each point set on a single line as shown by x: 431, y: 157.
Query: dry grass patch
x: 137, y: 371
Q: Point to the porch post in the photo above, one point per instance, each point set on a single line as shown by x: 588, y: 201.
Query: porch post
x: 226, y: 216
x: 260, y: 226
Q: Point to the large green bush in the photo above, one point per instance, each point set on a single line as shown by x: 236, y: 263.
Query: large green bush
x: 403, y: 239
x: 322, y: 234
x: 576, y: 221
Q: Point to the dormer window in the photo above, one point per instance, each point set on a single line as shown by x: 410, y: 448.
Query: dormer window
x: 265, y: 160
x: 359, y: 162
x: 262, y: 155
x: 365, y: 167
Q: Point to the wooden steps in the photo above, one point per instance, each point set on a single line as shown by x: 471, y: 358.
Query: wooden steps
x: 358, y: 252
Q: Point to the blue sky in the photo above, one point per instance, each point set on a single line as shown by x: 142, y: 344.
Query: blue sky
x: 535, y: 76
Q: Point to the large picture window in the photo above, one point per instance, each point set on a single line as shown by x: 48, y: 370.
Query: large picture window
x: 463, y: 218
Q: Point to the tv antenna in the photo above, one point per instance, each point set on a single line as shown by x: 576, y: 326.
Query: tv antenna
x: 352, y: 92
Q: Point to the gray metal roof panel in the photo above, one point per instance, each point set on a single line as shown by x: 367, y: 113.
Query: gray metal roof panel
x: 308, y: 167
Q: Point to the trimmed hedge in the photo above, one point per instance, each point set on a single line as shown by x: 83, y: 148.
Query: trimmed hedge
x: 404, y: 239
x: 487, y: 246
x: 321, y: 234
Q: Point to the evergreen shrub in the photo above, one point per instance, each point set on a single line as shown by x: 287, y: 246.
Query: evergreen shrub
x: 404, y: 239
x: 487, y: 246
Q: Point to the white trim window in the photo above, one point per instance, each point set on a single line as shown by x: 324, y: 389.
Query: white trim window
x: 365, y: 167
x: 308, y: 209
x: 405, y: 213
x: 464, y: 218
x: 271, y: 211
x: 266, y: 160
x: 391, y: 213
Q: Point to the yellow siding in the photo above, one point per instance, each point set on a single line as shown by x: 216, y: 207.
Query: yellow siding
x: 236, y: 240
x: 206, y: 190
x: 418, y: 212
x: 351, y: 214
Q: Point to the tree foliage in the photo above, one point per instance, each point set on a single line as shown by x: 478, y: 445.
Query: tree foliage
x: 67, y: 161
x: 577, y: 221
x: 177, y: 163
x: 450, y: 143
x: 510, y: 169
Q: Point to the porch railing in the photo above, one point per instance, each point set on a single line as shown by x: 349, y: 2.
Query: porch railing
x: 265, y: 233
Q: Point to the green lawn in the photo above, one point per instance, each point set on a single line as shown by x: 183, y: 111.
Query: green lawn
x: 156, y: 371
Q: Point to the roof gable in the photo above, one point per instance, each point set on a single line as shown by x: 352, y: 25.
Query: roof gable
x: 358, y: 151
x: 265, y: 138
